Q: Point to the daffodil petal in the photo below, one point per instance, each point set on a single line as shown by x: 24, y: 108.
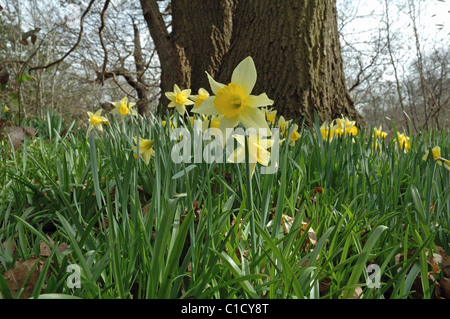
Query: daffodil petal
x: 245, y: 74
x: 186, y: 92
x: 146, y: 156
x: 254, y: 118
x: 259, y: 100
x: 228, y: 123
x: 181, y: 108
x: 207, y: 107
x: 215, y: 86
x: 170, y: 95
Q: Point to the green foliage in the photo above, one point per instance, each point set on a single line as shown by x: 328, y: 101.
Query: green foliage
x: 199, y: 230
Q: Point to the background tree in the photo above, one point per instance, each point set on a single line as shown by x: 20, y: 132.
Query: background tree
x: 295, y: 46
x: 391, y: 52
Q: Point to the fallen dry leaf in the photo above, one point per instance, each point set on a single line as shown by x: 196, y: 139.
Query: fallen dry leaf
x: 17, y: 136
x: 44, y: 249
x: 17, y: 276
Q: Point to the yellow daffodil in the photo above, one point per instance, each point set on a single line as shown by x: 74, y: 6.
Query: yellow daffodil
x: 6, y: 109
x: 198, y: 99
x: 283, y: 124
x: 329, y: 131
x: 436, y: 151
x: 404, y: 142
x: 179, y: 99
x: 353, y: 130
x: 294, y: 137
x: 284, y: 127
x: 271, y: 115
x: 345, y: 127
x: 257, y: 150
x: 97, y: 120
x: 124, y: 108
x: 379, y: 133
x: 345, y: 123
x: 145, y: 149
x: 235, y: 102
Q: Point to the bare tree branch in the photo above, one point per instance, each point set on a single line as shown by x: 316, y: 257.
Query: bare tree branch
x: 100, y: 33
x: 80, y: 34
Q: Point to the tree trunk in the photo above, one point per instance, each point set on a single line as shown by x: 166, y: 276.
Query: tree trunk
x: 294, y: 43
x: 296, y: 49
x: 200, y: 37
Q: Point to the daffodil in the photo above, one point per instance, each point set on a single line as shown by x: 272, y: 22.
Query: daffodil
x: 97, y: 120
x: 257, y: 150
x: 345, y: 127
x: 271, y: 115
x: 235, y: 102
x: 436, y: 151
x: 353, y: 130
x: 145, y: 149
x: 198, y: 99
x: 329, y: 131
x: 284, y: 127
x: 179, y: 99
x: 124, y: 108
x: 283, y: 124
x: 6, y: 109
x: 379, y: 133
x: 345, y: 123
x: 404, y: 142
x: 172, y: 126
x: 294, y: 137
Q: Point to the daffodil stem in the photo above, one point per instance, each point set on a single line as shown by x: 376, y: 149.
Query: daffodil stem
x: 250, y: 198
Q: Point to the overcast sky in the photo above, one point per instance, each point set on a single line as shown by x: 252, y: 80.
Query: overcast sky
x: 433, y: 19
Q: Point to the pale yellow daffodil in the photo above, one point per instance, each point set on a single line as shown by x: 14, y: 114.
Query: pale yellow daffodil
x: 257, y: 150
x: 271, y: 115
x: 97, y: 120
x: 436, y: 151
x: 379, y: 132
x: 123, y: 108
x: 235, y: 102
x: 404, y: 142
x: 145, y: 149
x: 179, y: 99
x: 200, y: 97
x: 329, y: 131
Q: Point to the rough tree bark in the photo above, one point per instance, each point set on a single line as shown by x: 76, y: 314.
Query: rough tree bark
x: 199, y: 38
x: 296, y: 49
x: 294, y: 43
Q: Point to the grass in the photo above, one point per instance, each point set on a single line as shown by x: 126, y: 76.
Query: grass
x: 207, y: 230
